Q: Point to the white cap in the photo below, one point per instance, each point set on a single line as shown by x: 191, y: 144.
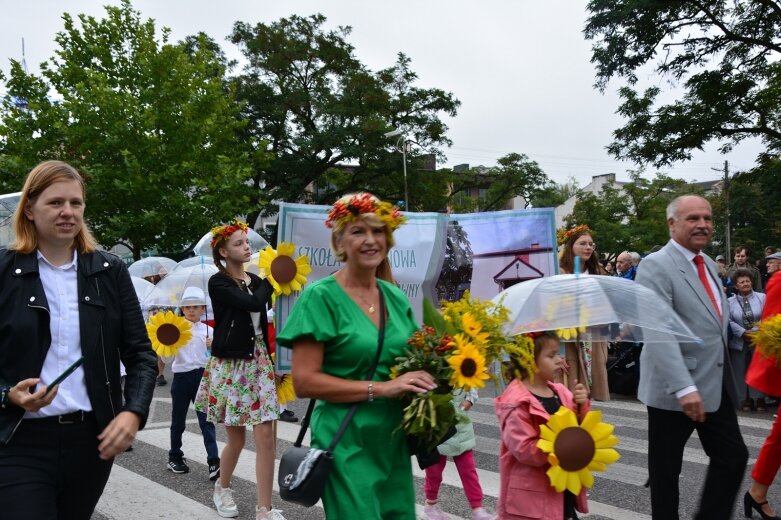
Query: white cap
x: 193, y: 296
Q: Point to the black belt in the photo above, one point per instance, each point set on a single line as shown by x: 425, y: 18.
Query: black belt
x: 69, y: 418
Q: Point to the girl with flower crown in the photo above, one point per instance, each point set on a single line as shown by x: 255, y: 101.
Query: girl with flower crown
x: 592, y: 365
x: 238, y: 387
x: 333, y: 330
x: 527, y: 403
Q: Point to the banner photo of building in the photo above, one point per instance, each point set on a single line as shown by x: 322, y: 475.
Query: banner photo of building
x: 438, y: 256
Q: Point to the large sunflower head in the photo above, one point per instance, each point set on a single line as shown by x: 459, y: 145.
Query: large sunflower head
x: 575, y: 450
x: 473, y: 328
x: 468, y: 364
x: 168, y: 332
x: 284, y: 273
x: 285, y: 390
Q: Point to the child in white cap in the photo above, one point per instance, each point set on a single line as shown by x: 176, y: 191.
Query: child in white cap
x: 188, y: 366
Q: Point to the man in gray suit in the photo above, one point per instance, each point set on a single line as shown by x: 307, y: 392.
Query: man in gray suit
x: 689, y: 386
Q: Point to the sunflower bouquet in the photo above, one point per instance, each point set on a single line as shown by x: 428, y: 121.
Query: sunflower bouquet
x: 456, y: 347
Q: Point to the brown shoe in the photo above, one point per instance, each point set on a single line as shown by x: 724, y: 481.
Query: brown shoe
x: 761, y: 406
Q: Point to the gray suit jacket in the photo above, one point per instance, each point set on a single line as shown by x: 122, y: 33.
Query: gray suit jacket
x: 667, y: 368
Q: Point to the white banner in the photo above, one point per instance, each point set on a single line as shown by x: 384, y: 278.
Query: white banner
x: 437, y: 255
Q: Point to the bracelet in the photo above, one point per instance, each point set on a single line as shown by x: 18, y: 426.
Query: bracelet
x: 4, y: 399
x: 371, y: 391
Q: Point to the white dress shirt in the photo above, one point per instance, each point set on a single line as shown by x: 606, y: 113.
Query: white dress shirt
x: 193, y: 354
x: 62, y: 293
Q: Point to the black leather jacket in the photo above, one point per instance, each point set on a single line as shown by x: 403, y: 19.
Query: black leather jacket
x: 112, y: 328
x: 234, y: 333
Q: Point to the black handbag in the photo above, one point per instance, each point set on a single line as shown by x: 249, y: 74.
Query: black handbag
x: 303, y: 471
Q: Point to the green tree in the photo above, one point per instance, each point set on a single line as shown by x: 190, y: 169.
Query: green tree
x: 553, y: 194
x: 514, y: 175
x: 722, y: 54
x: 631, y: 217
x: 151, y: 124
x: 753, y: 207
x: 606, y: 214
x: 313, y: 105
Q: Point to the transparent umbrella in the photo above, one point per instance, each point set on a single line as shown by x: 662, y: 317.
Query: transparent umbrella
x: 203, y: 247
x: 193, y: 261
x: 593, y: 303
x: 142, y: 287
x: 168, y: 293
x: 151, y: 266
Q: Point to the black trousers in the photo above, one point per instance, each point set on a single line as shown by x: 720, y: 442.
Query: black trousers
x: 52, y: 471
x: 723, y: 443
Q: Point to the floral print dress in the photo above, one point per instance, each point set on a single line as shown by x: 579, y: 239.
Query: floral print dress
x: 240, y: 392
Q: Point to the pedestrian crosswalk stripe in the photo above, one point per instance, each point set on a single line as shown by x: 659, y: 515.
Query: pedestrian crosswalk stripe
x: 129, y: 496
x: 489, y: 480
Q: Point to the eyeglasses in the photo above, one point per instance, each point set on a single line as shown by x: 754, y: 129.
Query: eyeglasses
x: 592, y: 245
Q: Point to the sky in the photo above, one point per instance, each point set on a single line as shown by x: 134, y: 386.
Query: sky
x: 521, y: 69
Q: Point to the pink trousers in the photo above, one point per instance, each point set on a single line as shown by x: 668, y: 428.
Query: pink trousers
x: 465, y: 464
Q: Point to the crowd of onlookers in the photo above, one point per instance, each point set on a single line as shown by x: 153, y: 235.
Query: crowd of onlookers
x: 743, y: 282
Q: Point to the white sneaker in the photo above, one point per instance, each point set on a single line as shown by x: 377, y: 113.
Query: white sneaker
x: 261, y: 513
x: 223, y: 500
x: 433, y: 512
x: 481, y: 514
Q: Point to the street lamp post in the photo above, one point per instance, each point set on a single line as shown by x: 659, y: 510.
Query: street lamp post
x: 403, y: 140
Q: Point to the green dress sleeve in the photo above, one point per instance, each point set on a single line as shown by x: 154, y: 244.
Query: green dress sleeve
x: 312, y: 318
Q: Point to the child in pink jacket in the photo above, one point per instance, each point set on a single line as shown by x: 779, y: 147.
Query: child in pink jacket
x: 527, y: 403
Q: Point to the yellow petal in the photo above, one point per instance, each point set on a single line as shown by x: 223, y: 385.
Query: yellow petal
x: 286, y: 249
x: 558, y: 478
x: 573, y: 483
x: 596, y: 466
x: 607, y: 442
x: 606, y: 456
x: 546, y: 433
x: 601, y: 431
x: 586, y: 478
x: 591, y: 419
x: 545, y: 445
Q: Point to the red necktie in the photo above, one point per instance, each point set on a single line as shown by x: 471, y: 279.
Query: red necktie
x: 698, y: 260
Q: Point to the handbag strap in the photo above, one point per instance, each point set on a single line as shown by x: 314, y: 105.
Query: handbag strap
x: 354, y: 407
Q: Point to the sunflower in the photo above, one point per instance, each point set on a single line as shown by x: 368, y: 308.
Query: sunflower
x: 768, y: 337
x: 575, y: 450
x: 468, y: 364
x: 284, y: 273
x: 285, y: 390
x: 473, y: 328
x: 168, y: 332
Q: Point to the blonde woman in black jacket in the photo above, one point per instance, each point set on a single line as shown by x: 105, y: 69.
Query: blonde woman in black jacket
x: 238, y: 387
x: 63, y: 300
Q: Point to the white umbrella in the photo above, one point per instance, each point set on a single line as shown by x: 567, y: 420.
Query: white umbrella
x: 568, y: 301
x: 168, y: 293
x: 193, y: 261
x: 204, y: 247
x: 151, y: 266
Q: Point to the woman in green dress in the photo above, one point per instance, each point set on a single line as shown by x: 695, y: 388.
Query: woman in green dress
x: 333, y: 330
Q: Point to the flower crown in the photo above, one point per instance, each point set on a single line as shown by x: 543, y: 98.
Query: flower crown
x: 220, y: 233
x: 562, y: 235
x: 348, y: 208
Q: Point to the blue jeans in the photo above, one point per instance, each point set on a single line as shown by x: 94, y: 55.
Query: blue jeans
x: 183, y: 391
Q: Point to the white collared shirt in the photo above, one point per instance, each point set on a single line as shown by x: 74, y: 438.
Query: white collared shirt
x: 194, y: 354
x: 62, y: 293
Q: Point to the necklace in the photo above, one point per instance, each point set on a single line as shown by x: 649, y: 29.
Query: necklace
x: 369, y: 304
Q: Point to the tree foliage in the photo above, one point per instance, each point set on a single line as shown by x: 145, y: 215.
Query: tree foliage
x: 723, y: 54
x: 313, y: 105
x: 150, y: 123
x: 753, y: 209
x: 631, y: 217
x: 515, y: 175
x: 553, y: 194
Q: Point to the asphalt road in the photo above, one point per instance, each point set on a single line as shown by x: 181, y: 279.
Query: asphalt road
x: 141, y: 488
